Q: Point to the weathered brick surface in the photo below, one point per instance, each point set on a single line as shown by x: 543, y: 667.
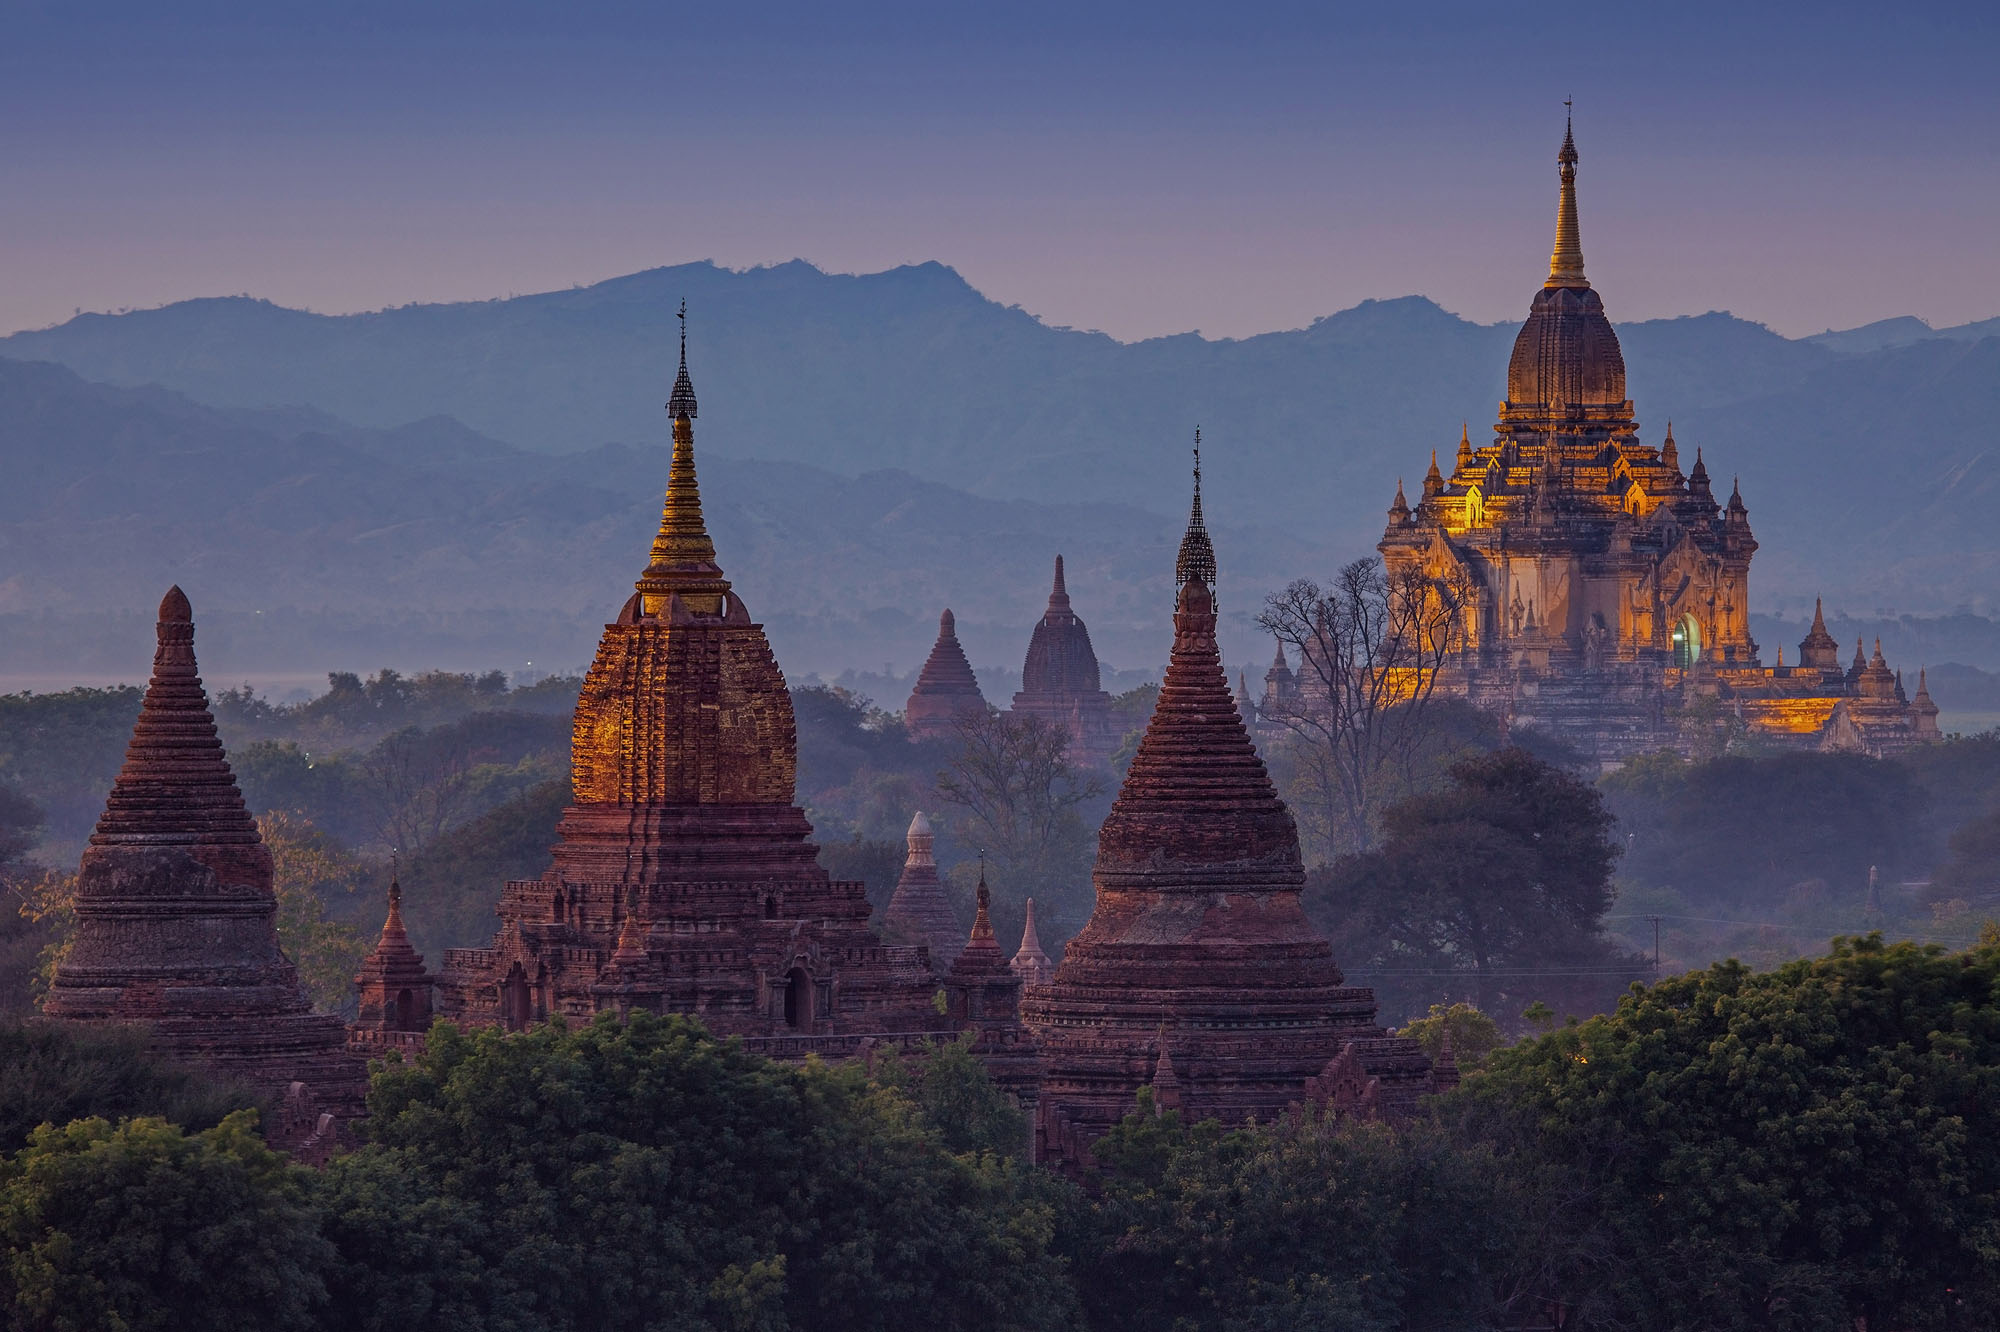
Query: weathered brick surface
x: 176, y: 922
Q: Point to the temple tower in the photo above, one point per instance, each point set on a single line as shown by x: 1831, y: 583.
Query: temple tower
x: 947, y: 692
x: 176, y: 922
x: 1060, y: 683
x: 1197, y: 937
x: 919, y: 914
x: 1030, y: 963
x: 685, y: 879
x: 394, y: 991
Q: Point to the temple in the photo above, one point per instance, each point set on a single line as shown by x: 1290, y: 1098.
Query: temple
x: 684, y: 879
x: 1606, y: 593
x: 947, y: 692
x: 918, y: 913
x: 1060, y: 683
x: 176, y: 921
x: 1197, y: 959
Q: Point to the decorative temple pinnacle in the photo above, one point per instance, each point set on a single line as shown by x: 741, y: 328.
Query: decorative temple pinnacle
x: 683, y: 559
x: 1197, y: 556
x: 1566, y: 261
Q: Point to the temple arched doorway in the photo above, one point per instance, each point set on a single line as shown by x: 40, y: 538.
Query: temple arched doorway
x: 516, y: 1000
x: 799, y: 1000
x: 1687, y: 642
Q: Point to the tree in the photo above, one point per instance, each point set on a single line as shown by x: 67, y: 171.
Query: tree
x: 611, y: 1175
x: 1500, y: 881
x: 958, y: 1098
x: 1812, y: 1147
x: 311, y: 870
x: 54, y: 1072
x: 1024, y: 804
x: 1308, y: 1223
x: 143, y: 1227
x: 1369, y: 649
x: 1472, y: 1034
x: 21, y: 821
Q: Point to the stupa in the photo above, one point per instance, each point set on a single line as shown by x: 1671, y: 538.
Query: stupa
x: 176, y: 921
x: 1030, y: 963
x: 947, y: 692
x: 919, y: 912
x: 1198, y: 940
x: 1060, y: 683
x: 395, y: 992
x: 685, y: 879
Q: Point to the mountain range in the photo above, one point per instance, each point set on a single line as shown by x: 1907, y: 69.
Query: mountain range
x: 874, y: 447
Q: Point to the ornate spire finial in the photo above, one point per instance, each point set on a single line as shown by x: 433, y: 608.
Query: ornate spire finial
x: 1566, y: 260
x: 1197, y: 555
x: 683, y: 558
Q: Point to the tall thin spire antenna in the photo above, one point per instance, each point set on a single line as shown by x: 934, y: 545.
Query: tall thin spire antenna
x: 681, y: 402
x: 1197, y: 554
x: 1566, y: 261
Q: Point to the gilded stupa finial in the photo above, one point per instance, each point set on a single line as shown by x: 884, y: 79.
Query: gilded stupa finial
x: 1566, y: 261
x: 683, y: 561
x: 1197, y: 555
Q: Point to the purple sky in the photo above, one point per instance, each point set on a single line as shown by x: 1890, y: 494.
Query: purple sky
x: 1143, y: 169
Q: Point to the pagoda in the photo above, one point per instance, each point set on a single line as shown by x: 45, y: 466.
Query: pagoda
x: 395, y: 993
x: 1198, y: 940
x: 947, y: 692
x: 918, y: 912
x: 1060, y: 683
x: 176, y: 920
x: 684, y: 879
x: 1602, y: 589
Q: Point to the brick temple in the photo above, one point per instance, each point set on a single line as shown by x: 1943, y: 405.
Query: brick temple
x: 176, y: 920
x: 1609, y: 591
x: 685, y: 879
x: 1060, y: 682
x: 918, y: 912
x: 1197, y: 966
x: 947, y: 692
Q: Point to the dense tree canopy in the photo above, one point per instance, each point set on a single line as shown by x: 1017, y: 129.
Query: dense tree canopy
x: 1495, y: 886
x: 1801, y: 1148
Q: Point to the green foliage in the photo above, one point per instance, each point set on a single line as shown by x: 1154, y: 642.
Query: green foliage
x: 327, y: 789
x: 52, y: 1073
x: 450, y: 887
x: 878, y: 864
x: 594, y: 1178
x: 958, y: 1099
x: 63, y: 750
x: 1801, y: 1148
x: 21, y: 821
x: 1498, y: 883
x: 312, y: 872
x: 1747, y: 831
x: 1305, y: 1224
x: 1473, y: 1034
x: 142, y: 1227
x: 861, y: 775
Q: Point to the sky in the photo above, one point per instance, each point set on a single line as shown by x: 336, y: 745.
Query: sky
x: 1144, y: 169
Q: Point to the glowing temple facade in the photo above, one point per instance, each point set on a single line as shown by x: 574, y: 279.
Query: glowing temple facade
x: 1607, y: 591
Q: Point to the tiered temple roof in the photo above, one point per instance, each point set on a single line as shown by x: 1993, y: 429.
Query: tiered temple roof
x: 685, y: 879
x: 1197, y: 937
x: 176, y: 921
x: 918, y: 913
x: 1060, y: 683
x: 947, y: 692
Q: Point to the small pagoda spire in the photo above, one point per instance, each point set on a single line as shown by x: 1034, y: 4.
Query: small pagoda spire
x: 1399, y: 508
x: 982, y: 953
x: 1736, y: 508
x: 1166, y: 1082
x: 1030, y: 963
x: 1197, y: 556
x: 631, y: 948
x: 1566, y: 260
x: 1670, y: 454
x: 1860, y: 658
x: 1433, y: 479
x: 683, y: 558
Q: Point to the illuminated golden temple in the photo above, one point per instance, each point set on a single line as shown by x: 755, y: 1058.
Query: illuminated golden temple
x: 1607, y: 593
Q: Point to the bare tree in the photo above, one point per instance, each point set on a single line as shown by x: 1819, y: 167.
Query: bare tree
x: 420, y: 787
x: 1013, y: 776
x: 1370, y: 648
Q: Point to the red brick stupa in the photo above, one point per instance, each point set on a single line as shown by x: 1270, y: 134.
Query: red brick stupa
x: 1197, y: 940
x: 685, y: 879
x: 919, y: 913
x: 176, y: 922
x: 1060, y: 684
x: 947, y: 692
x: 394, y: 990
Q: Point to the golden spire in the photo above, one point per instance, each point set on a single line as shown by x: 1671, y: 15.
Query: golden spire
x: 1566, y: 262
x: 683, y: 560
